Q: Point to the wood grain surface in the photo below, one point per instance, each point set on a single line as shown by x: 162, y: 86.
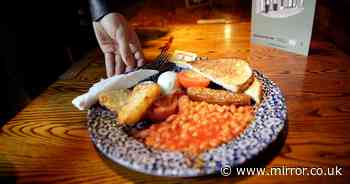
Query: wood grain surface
x: 48, y: 141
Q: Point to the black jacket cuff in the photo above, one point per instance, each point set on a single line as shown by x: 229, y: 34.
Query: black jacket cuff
x: 99, y: 8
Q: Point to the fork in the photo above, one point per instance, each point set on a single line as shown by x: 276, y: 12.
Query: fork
x: 161, y: 63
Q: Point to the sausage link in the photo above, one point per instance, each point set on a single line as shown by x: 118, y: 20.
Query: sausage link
x: 216, y: 96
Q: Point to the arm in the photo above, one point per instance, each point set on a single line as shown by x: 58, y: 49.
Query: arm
x: 117, y: 40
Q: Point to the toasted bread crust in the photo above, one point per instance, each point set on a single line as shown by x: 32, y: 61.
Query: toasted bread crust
x: 233, y: 74
x: 246, y: 85
x: 255, y: 91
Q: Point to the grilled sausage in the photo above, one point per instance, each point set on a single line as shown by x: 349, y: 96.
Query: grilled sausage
x: 221, y: 97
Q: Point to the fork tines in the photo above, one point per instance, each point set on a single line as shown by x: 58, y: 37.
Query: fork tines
x: 161, y: 62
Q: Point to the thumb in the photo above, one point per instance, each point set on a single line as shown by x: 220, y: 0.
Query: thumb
x: 124, y: 50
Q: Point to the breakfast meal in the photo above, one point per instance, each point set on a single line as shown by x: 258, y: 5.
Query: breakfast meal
x: 205, y: 104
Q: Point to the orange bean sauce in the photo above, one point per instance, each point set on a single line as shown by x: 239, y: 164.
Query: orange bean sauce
x: 198, y: 126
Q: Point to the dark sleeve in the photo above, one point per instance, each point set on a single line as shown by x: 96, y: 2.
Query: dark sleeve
x: 100, y: 8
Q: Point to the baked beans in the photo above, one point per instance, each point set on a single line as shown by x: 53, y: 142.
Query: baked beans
x: 198, y: 126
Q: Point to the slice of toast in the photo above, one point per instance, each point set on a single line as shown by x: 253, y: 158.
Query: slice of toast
x: 255, y: 91
x: 232, y: 74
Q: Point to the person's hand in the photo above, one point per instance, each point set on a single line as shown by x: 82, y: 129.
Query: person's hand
x: 119, y: 44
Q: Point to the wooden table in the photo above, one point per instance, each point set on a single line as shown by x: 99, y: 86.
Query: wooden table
x: 48, y: 141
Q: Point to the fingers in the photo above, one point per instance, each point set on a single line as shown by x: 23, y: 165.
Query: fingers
x: 124, y: 50
x: 109, y: 62
x: 129, y: 69
x: 139, y: 58
x: 135, y: 40
x: 132, y: 47
x: 120, y: 44
x: 140, y: 62
x: 138, y: 55
x: 115, y: 65
x: 119, y: 65
x: 137, y: 49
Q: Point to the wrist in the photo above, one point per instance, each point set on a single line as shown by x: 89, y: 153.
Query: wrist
x: 114, y: 19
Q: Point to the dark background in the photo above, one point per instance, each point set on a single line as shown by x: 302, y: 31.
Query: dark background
x: 41, y: 40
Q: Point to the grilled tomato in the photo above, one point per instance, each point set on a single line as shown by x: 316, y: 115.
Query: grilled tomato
x: 192, y: 79
x: 163, y: 107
